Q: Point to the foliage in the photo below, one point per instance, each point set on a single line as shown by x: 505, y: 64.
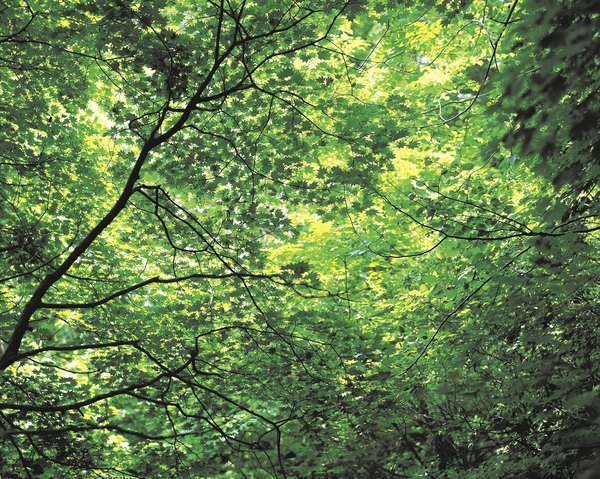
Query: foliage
x: 312, y: 239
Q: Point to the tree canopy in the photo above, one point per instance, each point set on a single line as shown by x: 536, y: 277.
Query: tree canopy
x: 299, y: 239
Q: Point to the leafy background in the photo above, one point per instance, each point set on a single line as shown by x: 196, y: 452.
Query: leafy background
x: 299, y: 239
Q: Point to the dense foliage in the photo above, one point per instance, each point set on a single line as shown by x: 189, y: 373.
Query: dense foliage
x: 299, y: 239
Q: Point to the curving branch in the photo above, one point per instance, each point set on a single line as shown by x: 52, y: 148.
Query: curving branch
x: 239, y: 40
x: 155, y: 280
